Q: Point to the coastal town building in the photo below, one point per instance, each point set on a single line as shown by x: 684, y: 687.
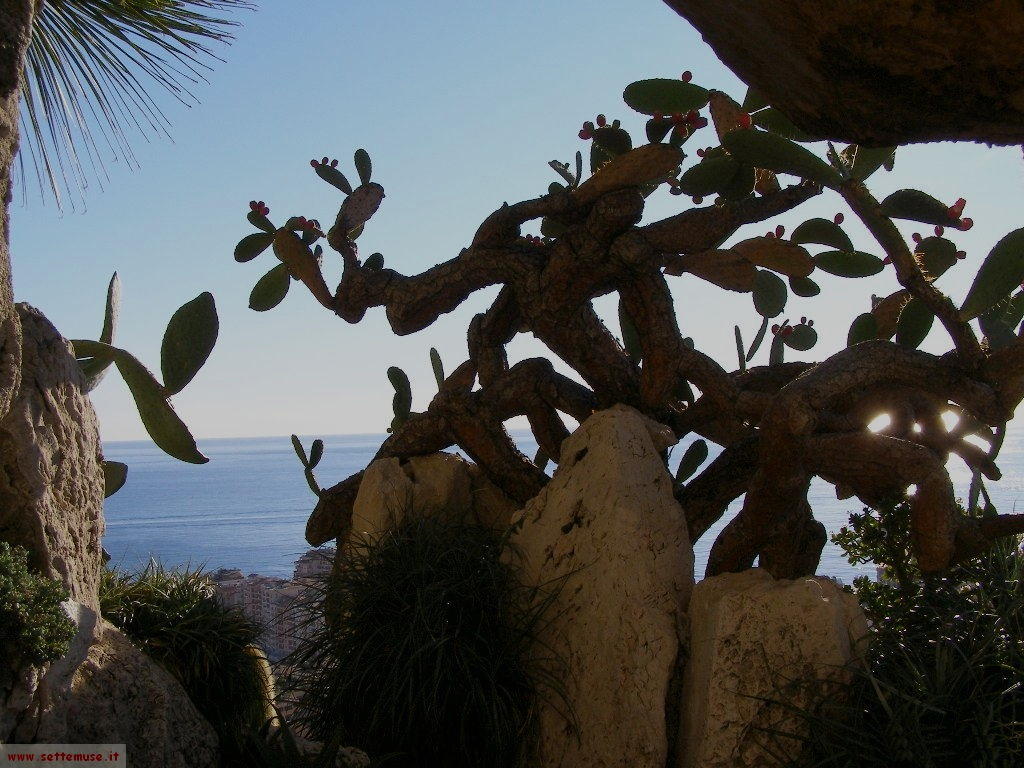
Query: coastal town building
x: 272, y: 602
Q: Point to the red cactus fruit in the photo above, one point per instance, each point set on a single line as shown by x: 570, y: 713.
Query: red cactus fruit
x: 602, y: 120
x: 966, y: 224
x: 838, y: 218
x: 687, y: 76
x: 746, y: 120
x: 780, y: 231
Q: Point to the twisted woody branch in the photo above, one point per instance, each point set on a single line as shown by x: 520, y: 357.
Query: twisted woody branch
x: 779, y: 425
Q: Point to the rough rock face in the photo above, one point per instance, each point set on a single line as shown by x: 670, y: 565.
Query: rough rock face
x: 748, y: 634
x: 51, y: 481
x: 607, y: 523
x: 106, y: 691
x: 437, y: 485
x: 877, y: 72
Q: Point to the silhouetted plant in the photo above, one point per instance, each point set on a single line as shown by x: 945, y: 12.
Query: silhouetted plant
x: 426, y: 650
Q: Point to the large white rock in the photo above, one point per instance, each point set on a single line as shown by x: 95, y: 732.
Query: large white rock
x: 749, y: 635
x: 438, y: 485
x: 51, y: 480
x: 107, y: 691
x: 608, y: 525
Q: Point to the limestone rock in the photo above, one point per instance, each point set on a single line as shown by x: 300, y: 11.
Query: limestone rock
x: 608, y: 525
x: 878, y: 72
x: 106, y: 691
x: 51, y: 480
x: 749, y: 634
x: 439, y: 485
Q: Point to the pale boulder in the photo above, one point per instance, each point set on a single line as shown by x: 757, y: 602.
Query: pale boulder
x: 107, y: 691
x: 751, y: 637
x: 609, y: 530
x: 442, y: 486
x: 51, y: 480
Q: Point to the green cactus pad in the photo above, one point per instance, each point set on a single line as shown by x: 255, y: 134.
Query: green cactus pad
x: 863, y: 328
x: 914, y: 323
x: 95, y: 368
x: 402, y: 401
x: 438, y: 367
x: 864, y: 161
x: 777, y: 351
x: 740, y: 356
x: 695, y: 455
x: 614, y: 141
x: 821, y: 232
x: 758, y: 340
x: 773, y: 120
x: 770, y: 294
x: 802, y: 338
x: 804, y: 286
x: 188, y: 341
x: 251, y: 246
x: 334, y: 177
x: 115, y: 474
x: 753, y: 101
x: 709, y: 176
x: 316, y: 452
x: 540, y: 459
x: 363, y: 166
x: 657, y: 130
x: 768, y: 150
x: 270, y: 289
x: 599, y: 156
x: 935, y: 255
x: 741, y: 185
x: 665, y: 96
x: 158, y: 417
x: 915, y: 205
x: 849, y: 263
x: 1000, y: 273
x: 299, y: 450
x: 630, y: 336
x: 260, y: 221
x: 374, y: 261
x: 998, y: 332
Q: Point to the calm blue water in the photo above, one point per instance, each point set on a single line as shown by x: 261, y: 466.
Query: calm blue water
x: 247, y: 507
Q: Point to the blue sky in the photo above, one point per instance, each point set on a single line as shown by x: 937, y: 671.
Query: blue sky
x: 460, y: 108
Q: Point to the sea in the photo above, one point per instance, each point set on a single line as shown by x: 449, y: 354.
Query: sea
x: 247, y: 508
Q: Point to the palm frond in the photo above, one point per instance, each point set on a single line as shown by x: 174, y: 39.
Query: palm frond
x: 90, y: 71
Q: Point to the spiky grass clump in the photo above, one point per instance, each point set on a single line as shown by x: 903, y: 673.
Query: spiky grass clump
x: 34, y: 629
x: 428, y: 652
x: 942, y: 684
x: 175, y: 618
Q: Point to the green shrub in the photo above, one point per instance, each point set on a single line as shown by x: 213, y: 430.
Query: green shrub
x: 174, y: 617
x: 942, y: 683
x: 34, y: 628
x: 428, y: 656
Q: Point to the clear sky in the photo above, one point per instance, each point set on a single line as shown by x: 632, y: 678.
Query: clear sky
x: 460, y: 104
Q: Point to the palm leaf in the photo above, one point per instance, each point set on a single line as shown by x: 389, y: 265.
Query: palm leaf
x: 90, y: 71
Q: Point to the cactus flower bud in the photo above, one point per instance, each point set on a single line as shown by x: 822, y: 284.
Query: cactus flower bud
x: 775, y: 328
x: 938, y: 231
x: 780, y: 231
x: 602, y: 121
x: 838, y: 218
x: 966, y: 224
x: 687, y: 76
x: 961, y: 254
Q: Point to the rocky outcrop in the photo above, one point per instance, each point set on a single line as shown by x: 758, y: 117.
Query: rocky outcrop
x: 51, y: 481
x: 879, y: 72
x: 439, y: 485
x: 106, y: 691
x: 751, y: 638
x: 608, y: 530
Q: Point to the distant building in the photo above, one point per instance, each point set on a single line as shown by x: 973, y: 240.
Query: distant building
x: 272, y: 602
